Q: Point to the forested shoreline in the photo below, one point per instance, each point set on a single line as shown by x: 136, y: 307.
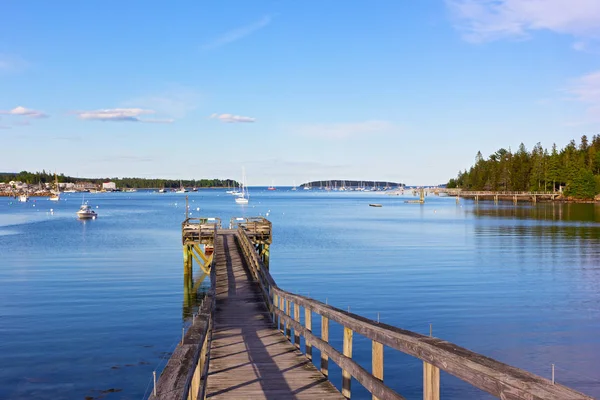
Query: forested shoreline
x: 574, y: 170
x: 139, y: 183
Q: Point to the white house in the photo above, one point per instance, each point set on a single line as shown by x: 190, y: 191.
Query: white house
x: 109, y: 186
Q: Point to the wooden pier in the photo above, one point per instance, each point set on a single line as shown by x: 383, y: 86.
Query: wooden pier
x: 245, y: 340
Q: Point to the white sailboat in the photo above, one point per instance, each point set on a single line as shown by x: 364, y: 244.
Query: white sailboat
x: 56, y: 195
x: 294, y: 187
x: 244, y: 196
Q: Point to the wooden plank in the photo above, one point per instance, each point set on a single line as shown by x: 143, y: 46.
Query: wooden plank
x: 377, y: 362
x: 249, y: 357
x: 346, y: 377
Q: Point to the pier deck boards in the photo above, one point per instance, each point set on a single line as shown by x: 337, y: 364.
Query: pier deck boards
x: 250, y: 358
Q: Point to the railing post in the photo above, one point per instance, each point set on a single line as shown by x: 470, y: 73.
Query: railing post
x: 297, y: 319
x: 377, y: 362
x: 308, y: 326
x: 274, y: 305
x: 282, y: 309
x: 346, y: 377
x: 288, y: 326
x: 325, y: 338
x: 431, y: 382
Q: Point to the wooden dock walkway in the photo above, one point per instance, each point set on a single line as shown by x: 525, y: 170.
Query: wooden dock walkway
x: 244, y: 342
x: 249, y: 357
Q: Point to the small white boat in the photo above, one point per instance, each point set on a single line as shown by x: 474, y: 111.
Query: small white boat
x: 23, y: 198
x: 163, y: 190
x: 86, y: 212
x: 243, y: 196
x: 54, y: 197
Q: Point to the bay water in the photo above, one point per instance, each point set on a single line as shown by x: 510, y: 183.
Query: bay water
x: 88, y: 309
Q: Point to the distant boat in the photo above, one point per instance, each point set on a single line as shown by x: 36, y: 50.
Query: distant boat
x: 181, y: 188
x: 272, y: 187
x: 194, y: 189
x: 56, y: 195
x: 86, y: 212
x: 23, y: 198
x: 244, y: 196
x: 294, y: 187
x: 163, y: 190
x: 375, y: 205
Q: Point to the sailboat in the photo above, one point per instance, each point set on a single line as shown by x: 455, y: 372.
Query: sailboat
x: 244, y: 196
x: 272, y: 187
x: 56, y: 195
x: 181, y: 188
x: 294, y: 188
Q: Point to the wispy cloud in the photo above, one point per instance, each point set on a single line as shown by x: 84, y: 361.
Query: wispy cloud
x: 230, y: 118
x: 11, y: 63
x: 586, y: 90
x: 175, y: 102
x: 486, y: 20
x: 24, y: 112
x: 120, y: 115
x: 238, y: 33
x: 345, y: 130
x: 4, y: 127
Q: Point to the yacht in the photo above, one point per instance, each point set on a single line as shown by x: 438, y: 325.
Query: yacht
x: 86, y: 212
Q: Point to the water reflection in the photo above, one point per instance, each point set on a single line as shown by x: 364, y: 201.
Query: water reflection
x: 543, y: 211
x: 195, y: 288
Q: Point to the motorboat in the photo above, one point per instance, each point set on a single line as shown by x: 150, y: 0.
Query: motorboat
x: 163, y: 190
x: 23, y: 198
x: 86, y: 212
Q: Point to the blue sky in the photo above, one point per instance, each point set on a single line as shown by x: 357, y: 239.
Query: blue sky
x: 405, y: 91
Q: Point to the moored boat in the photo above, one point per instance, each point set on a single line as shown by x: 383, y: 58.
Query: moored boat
x: 86, y: 212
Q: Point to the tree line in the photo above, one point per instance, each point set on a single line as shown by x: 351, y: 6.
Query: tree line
x: 141, y: 183
x: 574, y: 169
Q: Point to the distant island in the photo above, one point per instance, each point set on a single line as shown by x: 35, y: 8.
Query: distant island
x: 352, y: 185
x: 46, y: 179
x: 573, y: 171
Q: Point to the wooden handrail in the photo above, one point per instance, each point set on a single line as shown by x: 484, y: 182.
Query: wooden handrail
x: 492, y: 376
x: 195, y: 383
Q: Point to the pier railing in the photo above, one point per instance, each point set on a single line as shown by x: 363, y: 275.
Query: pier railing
x: 199, y: 230
x: 492, y: 376
x: 195, y: 383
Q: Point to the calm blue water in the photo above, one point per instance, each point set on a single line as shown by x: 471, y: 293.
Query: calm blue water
x: 90, y: 309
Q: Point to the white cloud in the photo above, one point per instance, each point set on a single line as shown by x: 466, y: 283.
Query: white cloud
x: 345, y: 130
x: 238, y: 33
x: 120, y: 115
x: 25, y: 112
x: 485, y: 20
x: 232, y: 118
x: 586, y: 90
